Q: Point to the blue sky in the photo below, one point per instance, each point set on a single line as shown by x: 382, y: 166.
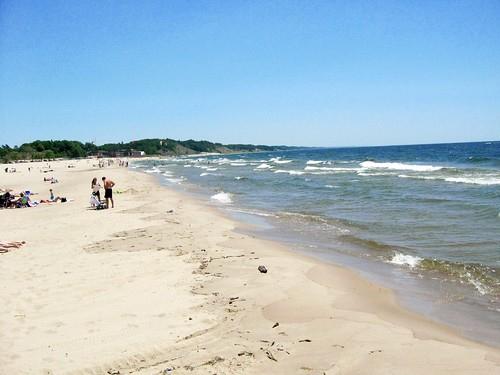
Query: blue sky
x: 315, y: 73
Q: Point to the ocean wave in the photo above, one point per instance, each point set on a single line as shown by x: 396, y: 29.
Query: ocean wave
x: 331, y: 169
x: 290, y: 172
x: 366, y: 174
x: 240, y: 178
x: 474, y: 180
x: 152, y: 170
x: 328, y: 224
x: 208, y: 174
x: 400, y: 166
x: 418, y: 177
x: 405, y: 260
x: 264, y: 166
x: 174, y: 180
x: 315, y: 162
x: 238, y: 164
x: 253, y: 212
x: 279, y: 160
x: 485, y: 279
x: 222, y: 197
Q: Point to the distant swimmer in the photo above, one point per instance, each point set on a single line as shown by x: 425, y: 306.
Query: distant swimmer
x: 108, y: 191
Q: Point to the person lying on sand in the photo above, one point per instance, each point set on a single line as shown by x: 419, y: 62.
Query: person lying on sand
x: 6, y: 200
x: 53, y: 198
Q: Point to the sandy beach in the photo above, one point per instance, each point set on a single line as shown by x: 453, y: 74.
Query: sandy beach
x: 166, y: 284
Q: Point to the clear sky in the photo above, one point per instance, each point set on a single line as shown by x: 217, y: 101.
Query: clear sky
x: 315, y: 73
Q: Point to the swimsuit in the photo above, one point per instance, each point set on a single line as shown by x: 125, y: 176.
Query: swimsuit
x: 108, y: 193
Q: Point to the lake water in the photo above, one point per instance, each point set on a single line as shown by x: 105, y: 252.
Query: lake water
x: 422, y: 219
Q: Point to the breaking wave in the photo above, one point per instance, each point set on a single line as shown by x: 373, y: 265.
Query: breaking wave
x: 222, y: 197
x: 400, y: 166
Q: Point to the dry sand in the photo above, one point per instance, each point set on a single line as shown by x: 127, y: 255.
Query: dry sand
x: 141, y: 289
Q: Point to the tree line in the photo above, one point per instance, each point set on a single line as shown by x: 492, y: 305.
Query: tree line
x: 46, y: 150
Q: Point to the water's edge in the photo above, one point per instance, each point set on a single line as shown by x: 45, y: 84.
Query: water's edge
x: 417, y: 299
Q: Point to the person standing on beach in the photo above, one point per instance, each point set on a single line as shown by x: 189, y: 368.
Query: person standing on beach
x: 108, y: 191
x: 96, y: 187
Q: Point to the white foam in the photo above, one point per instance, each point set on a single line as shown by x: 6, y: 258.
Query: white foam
x: 405, y: 260
x: 212, y: 169
x: 252, y: 212
x: 331, y: 169
x: 366, y: 174
x: 314, y: 162
x: 477, y: 284
x: 175, y: 180
x: 222, y: 197
x: 264, y: 166
x: 418, y: 177
x: 153, y: 170
x: 208, y: 174
x: 475, y: 180
x: 400, y: 166
x: 279, y: 160
x: 332, y: 186
x: 290, y: 172
x: 479, y: 180
x: 239, y: 178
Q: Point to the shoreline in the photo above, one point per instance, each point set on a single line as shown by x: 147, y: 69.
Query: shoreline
x: 183, y: 292
x: 424, y: 296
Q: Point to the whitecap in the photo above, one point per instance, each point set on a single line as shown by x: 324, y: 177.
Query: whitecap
x: 478, y: 180
x: 279, y: 160
x: 264, y: 166
x: 475, y: 180
x: 331, y: 169
x: 418, y: 177
x: 400, y: 166
x: 290, y: 172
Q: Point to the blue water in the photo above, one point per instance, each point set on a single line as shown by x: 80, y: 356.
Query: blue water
x: 431, y: 212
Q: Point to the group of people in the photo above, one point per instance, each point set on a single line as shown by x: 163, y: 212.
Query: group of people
x: 24, y: 199
x: 96, y: 192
